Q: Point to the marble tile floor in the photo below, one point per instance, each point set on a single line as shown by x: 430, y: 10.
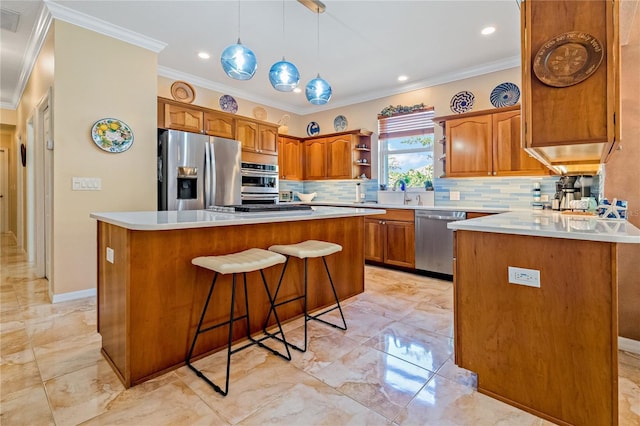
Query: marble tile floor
x: 393, y: 366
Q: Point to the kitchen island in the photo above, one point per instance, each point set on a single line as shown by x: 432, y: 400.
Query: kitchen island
x: 543, y: 337
x: 150, y: 295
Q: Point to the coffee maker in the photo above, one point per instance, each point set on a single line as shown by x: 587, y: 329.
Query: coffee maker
x: 565, y: 191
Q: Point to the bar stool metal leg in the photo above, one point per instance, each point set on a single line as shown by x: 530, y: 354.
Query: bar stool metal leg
x: 335, y: 295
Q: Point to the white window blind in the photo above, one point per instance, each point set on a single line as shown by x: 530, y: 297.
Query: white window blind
x: 412, y: 124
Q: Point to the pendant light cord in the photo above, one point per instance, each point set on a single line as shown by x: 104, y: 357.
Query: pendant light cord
x: 238, y: 21
x: 284, y: 39
x: 318, y: 14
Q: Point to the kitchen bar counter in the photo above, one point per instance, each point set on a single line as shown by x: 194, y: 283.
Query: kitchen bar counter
x: 166, y: 220
x: 150, y: 295
x: 540, y: 223
x: 374, y: 205
x: 536, y: 311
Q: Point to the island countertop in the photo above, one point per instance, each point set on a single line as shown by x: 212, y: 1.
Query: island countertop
x: 184, y: 219
x: 554, y: 225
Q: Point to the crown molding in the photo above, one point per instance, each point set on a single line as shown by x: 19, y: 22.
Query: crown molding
x: 482, y: 69
x: 88, y: 22
x: 218, y: 87
x: 36, y: 40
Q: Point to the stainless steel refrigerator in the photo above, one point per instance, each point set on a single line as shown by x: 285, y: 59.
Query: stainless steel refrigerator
x: 196, y: 171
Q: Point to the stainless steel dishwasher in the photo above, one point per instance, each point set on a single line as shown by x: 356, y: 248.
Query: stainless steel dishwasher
x: 434, y: 242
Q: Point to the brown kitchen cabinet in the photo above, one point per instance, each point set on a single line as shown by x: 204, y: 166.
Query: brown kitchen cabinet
x: 181, y: 117
x: 568, y: 121
x: 290, y: 158
x: 257, y: 137
x: 336, y: 156
x: 219, y: 124
x: 389, y: 238
x: 487, y: 143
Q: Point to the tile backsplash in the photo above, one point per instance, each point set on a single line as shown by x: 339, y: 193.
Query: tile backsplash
x: 489, y: 192
x: 332, y: 190
x: 492, y: 192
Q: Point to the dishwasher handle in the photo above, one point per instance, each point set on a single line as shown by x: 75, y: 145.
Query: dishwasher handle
x: 438, y: 217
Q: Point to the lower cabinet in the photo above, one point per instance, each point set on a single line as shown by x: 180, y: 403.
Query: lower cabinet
x: 390, y: 239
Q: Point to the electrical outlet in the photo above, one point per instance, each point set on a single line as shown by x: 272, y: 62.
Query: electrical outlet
x: 110, y: 254
x: 522, y: 276
x: 454, y: 195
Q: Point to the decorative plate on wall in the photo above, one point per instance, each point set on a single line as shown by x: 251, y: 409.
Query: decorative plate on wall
x: 183, y: 92
x: 260, y: 113
x: 112, y: 135
x: 504, y: 94
x: 462, y: 102
x: 568, y: 59
x: 340, y: 123
x: 313, y: 129
x: 228, y: 104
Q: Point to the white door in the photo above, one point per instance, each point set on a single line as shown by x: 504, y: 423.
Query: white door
x: 4, y: 193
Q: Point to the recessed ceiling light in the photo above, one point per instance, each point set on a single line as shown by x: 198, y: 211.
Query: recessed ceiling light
x: 488, y: 30
x: 204, y: 55
x: 402, y: 78
x: 297, y: 90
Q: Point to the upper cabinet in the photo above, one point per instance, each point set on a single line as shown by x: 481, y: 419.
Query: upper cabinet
x: 337, y: 156
x: 290, y: 158
x: 257, y: 137
x: 486, y: 143
x: 570, y: 82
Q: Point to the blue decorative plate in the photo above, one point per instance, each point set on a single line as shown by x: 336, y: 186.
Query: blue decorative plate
x: 462, y: 102
x: 313, y: 129
x: 112, y: 135
x: 340, y: 123
x: 228, y: 104
x: 505, y: 94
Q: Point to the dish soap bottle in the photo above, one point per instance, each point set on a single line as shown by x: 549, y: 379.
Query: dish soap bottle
x: 358, y: 192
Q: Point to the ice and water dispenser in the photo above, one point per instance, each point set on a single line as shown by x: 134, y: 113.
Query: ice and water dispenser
x: 187, y: 183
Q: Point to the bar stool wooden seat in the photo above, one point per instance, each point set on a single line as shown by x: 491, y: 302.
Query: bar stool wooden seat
x: 306, y: 250
x: 242, y: 262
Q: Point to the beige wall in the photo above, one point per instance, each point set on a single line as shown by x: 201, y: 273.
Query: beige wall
x: 622, y: 182
x: 7, y: 143
x: 8, y: 116
x: 98, y: 77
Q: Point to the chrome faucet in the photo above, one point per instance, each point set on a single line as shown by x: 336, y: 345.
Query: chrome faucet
x: 403, y: 186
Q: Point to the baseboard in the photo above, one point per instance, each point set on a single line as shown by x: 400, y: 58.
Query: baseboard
x: 629, y: 345
x: 73, y: 295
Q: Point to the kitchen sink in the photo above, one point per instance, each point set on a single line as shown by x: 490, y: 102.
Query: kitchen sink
x: 390, y: 197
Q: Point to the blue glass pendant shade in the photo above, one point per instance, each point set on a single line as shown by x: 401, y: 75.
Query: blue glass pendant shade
x: 284, y: 76
x: 318, y: 91
x: 239, y: 62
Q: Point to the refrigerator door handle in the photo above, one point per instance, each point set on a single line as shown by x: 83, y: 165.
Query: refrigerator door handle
x: 209, y: 176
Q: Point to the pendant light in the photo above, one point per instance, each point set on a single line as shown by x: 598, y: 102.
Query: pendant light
x: 283, y: 75
x: 318, y: 90
x: 238, y: 61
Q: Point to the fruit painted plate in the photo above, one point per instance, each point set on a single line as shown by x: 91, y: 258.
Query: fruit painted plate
x: 112, y: 135
x: 504, y: 94
x: 228, y: 104
x: 462, y: 102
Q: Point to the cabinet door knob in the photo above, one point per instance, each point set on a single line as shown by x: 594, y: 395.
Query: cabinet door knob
x: 495, y: 173
x: 489, y: 173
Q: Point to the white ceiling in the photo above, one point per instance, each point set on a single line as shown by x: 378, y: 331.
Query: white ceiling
x: 364, y: 45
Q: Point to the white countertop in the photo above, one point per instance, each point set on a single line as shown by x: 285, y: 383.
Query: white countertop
x: 373, y: 205
x: 167, y: 220
x: 553, y: 224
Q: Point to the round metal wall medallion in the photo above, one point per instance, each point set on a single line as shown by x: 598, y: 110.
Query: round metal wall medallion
x: 568, y: 59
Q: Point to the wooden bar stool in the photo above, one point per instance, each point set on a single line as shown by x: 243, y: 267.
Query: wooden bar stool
x: 242, y: 262
x: 305, y: 250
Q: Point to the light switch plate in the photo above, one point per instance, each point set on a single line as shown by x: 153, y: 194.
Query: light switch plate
x: 454, y: 195
x: 86, y: 184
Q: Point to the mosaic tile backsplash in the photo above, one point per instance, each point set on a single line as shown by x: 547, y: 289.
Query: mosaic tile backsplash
x: 490, y: 192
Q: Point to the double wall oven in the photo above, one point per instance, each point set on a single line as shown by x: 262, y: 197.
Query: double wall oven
x: 259, y: 183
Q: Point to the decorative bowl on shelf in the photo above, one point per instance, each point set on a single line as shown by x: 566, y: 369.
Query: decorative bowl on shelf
x: 306, y: 197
